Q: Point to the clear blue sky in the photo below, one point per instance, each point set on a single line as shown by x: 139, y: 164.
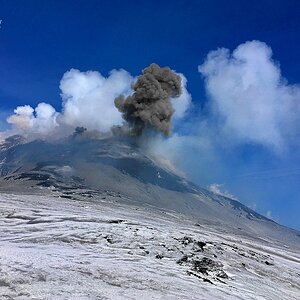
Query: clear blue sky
x: 40, y: 40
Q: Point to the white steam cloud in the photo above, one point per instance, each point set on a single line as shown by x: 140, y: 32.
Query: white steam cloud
x: 249, y: 102
x: 88, y: 101
x: 182, y: 103
x: 88, y: 98
x: 41, y: 120
x: 218, y: 189
x: 250, y: 98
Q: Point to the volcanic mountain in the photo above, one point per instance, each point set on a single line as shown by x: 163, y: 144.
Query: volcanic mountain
x: 99, y: 218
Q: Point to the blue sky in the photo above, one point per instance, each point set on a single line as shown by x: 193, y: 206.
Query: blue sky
x: 41, y: 40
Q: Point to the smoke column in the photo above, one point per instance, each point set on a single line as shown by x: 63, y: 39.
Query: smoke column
x: 150, y: 103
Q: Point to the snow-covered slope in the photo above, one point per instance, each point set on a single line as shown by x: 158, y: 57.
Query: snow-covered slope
x: 99, y: 219
x: 58, y: 248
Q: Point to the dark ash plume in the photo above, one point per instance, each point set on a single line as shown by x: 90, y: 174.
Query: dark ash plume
x: 150, y: 103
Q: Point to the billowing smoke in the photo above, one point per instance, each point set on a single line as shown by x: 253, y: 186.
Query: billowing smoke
x: 41, y: 120
x: 88, y: 101
x: 150, y: 104
x: 250, y: 98
x: 88, y: 98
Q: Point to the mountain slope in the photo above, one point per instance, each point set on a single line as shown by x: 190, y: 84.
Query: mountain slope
x: 119, y: 166
x: 86, y: 218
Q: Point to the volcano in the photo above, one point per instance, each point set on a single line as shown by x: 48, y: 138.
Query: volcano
x: 91, y: 218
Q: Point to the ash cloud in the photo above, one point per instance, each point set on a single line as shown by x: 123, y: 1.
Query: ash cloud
x: 150, y: 104
x: 88, y: 101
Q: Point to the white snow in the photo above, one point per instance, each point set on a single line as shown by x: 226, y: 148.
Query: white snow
x: 100, y: 248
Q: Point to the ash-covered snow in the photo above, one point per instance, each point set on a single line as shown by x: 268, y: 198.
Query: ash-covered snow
x: 106, y: 247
